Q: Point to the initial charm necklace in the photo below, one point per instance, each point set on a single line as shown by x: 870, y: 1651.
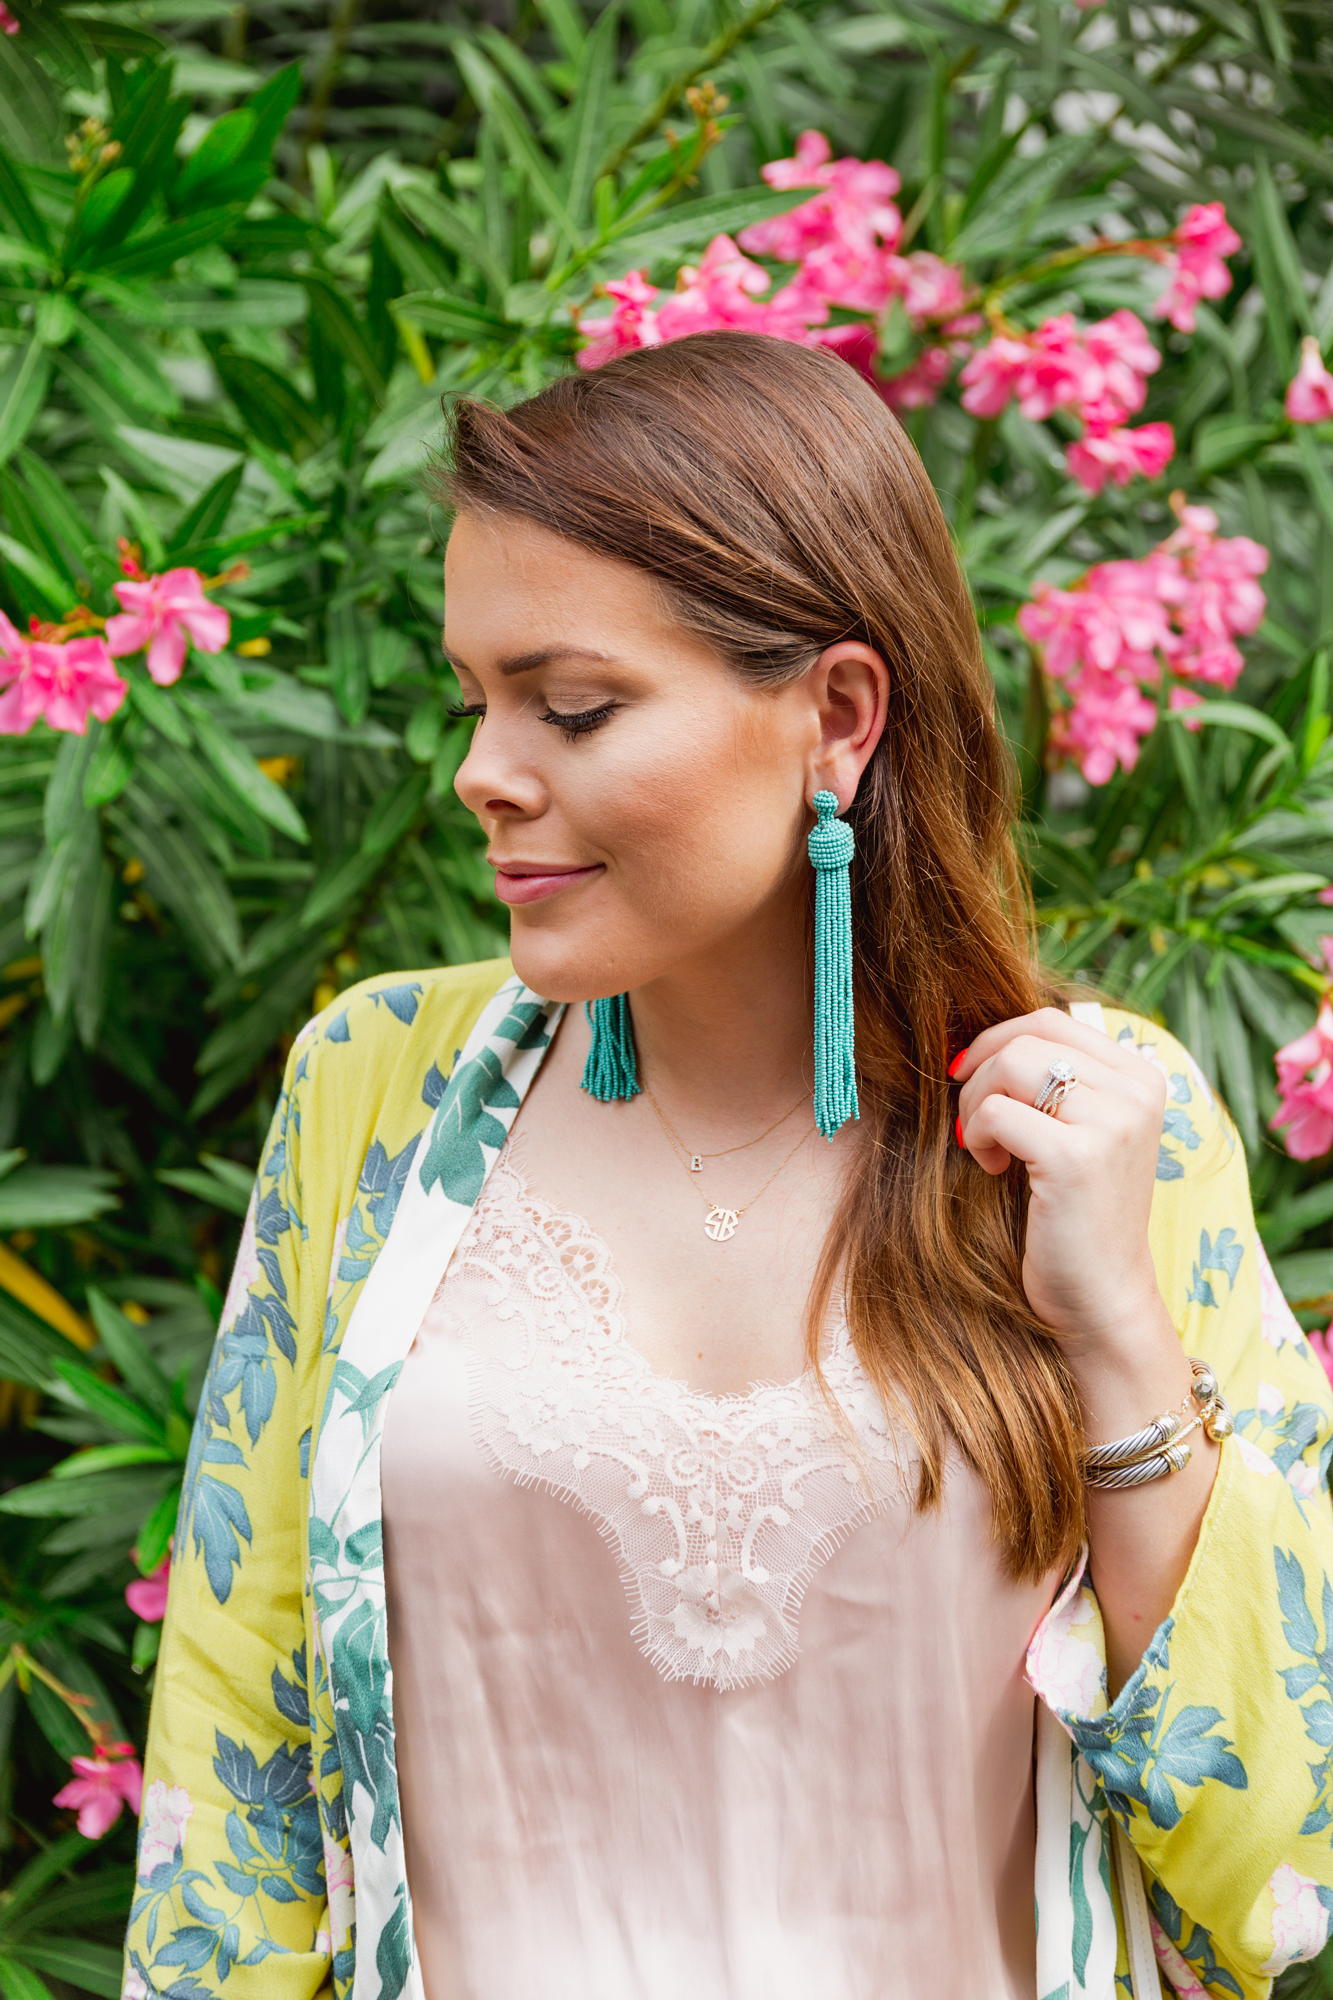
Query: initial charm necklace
x: 720, y: 1223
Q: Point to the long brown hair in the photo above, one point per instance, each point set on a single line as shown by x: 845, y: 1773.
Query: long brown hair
x: 778, y: 504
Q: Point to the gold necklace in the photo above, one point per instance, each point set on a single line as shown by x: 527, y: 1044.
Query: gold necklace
x: 720, y: 1223
x: 696, y: 1160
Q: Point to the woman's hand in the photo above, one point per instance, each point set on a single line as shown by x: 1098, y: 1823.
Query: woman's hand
x: 1088, y: 1273
x: 1087, y: 1268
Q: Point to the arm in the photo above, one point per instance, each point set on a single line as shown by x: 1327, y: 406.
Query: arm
x: 230, y: 1893
x: 1214, y: 1755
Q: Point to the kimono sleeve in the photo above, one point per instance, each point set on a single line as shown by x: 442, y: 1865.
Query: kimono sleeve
x: 1217, y: 1755
x: 230, y: 1890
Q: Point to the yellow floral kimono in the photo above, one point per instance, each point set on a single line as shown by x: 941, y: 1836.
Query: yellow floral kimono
x: 1187, y: 1827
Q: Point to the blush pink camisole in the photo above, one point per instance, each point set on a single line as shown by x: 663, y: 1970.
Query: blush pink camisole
x: 688, y: 1704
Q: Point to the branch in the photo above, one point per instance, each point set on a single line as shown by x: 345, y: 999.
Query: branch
x: 720, y: 47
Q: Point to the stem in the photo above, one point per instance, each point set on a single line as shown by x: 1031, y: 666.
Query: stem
x: 21, y: 1662
x: 720, y: 46
x: 340, y: 33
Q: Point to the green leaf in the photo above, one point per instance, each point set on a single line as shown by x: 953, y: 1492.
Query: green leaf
x: 111, y: 1406
x: 129, y: 1352
x: 94, y: 1968
x: 207, y: 1187
x: 1269, y: 889
x: 348, y: 657
x: 336, y: 320
x: 47, y: 1197
x: 1221, y: 441
x: 267, y: 403
x: 338, y: 887
x: 392, y: 814
x: 238, y: 770
x: 1234, y: 715
x: 158, y: 1526
x: 180, y: 877
x: 17, y: 204
x: 697, y: 222
x: 18, y: 1983
x: 586, y: 139
x: 1233, y: 1056
x: 460, y: 319
x: 221, y: 146
x: 53, y: 588
x: 445, y: 223
x: 109, y: 1458
x: 23, y: 384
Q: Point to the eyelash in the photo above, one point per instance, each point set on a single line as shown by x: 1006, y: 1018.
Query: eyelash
x: 571, y: 726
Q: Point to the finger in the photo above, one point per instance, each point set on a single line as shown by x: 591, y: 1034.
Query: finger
x: 1052, y: 1026
x: 1001, y: 1129
x: 1021, y: 1068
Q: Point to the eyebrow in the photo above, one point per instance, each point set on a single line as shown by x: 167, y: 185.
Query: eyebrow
x: 526, y: 663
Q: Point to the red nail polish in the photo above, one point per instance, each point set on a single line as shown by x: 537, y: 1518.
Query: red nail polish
x: 958, y: 1130
x: 958, y: 1062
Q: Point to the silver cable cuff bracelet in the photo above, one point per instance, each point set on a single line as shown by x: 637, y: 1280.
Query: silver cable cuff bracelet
x: 1160, y: 1447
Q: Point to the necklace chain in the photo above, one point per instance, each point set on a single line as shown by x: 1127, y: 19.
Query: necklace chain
x: 720, y: 1223
x: 724, y: 1151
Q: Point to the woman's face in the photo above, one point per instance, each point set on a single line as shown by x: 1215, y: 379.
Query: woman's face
x: 645, y: 807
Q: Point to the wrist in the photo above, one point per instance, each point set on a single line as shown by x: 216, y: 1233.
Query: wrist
x: 1129, y: 1371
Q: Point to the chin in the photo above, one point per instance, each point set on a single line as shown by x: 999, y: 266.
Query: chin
x: 558, y: 970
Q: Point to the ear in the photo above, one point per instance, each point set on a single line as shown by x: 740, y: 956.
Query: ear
x: 849, y: 684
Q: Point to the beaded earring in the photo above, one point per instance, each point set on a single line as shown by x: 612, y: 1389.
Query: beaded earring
x: 831, y: 847
x: 612, y: 1069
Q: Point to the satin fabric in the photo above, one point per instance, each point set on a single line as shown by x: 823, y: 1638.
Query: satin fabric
x: 579, y: 1828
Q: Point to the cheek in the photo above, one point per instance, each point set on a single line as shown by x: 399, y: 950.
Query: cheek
x: 703, y: 827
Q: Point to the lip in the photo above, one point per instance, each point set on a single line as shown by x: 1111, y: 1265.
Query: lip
x: 518, y: 882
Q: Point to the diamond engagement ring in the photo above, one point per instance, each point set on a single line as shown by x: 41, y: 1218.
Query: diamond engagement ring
x: 1060, y: 1080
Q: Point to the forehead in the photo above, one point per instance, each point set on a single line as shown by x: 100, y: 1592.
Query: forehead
x: 507, y: 576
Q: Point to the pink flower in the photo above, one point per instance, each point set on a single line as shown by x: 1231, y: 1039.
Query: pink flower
x: 1121, y: 455
x: 7, y: 22
x: 1198, y: 271
x: 917, y: 387
x: 104, y: 1783
x: 166, y: 1808
x: 64, y: 683
x: 147, y: 1595
x: 163, y: 614
x: 844, y: 238
x: 1305, y: 1090
x: 929, y: 288
x: 1105, y: 725
x: 1310, y: 390
x: 630, y: 324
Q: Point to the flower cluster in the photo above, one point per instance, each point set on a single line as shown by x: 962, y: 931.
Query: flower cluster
x: 65, y: 673
x: 1309, y: 398
x: 1195, y: 254
x: 844, y: 244
x: 1305, y: 1089
x: 1110, y: 634
x: 1098, y: 372
x: 102, y: 1784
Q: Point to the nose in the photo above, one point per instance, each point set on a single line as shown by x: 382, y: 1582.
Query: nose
x: 494, y: 785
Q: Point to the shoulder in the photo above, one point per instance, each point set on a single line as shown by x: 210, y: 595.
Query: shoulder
x: 392, y: 1035
x: 1198, y: 1136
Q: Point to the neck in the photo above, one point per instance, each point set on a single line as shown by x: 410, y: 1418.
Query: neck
x: 729, y: 1038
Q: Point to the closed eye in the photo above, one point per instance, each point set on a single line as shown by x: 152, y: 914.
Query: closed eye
x: 583, y: 722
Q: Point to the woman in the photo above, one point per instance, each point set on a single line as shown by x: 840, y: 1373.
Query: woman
x: 636, y: 1526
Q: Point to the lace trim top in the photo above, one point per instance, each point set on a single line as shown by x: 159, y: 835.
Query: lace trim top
x: 718, y: 1508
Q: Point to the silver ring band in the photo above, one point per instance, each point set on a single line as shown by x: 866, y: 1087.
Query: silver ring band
x: 1060, y: 1080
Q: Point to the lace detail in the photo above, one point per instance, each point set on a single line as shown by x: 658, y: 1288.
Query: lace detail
x: 719, y: 1508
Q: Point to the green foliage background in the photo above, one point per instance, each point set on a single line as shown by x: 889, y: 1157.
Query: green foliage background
x: 231, y: 340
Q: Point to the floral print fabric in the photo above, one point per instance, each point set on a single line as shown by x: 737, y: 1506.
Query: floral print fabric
x: 270, y: 1864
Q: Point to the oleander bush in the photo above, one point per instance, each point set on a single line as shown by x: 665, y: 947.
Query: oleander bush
x: 243, y: 257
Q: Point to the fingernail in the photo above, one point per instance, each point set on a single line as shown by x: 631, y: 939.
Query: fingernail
x: 958, y: 1130
x: 958, y: 1062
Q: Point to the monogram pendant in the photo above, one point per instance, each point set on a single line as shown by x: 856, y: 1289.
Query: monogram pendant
x: 720, y: 1223
x: 696, y: 1163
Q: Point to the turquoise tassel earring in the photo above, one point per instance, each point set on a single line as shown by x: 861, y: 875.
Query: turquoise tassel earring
x: 832, y: 845
x: 612, y: 1068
